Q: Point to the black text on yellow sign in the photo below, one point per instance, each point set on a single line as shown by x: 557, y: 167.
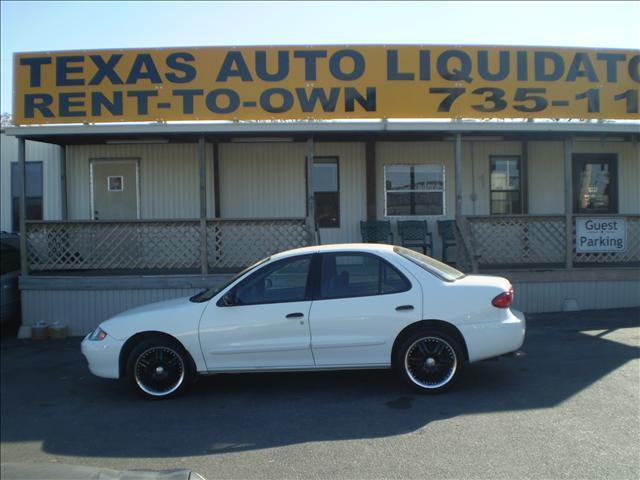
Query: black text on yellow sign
x: 256, y: 83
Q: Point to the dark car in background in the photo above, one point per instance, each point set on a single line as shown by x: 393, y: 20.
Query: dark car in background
x: 9, y: 273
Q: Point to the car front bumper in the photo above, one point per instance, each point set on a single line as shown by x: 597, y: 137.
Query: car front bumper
x: 102, y: 356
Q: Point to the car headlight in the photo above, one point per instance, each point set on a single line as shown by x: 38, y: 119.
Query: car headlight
x: 97, y: 335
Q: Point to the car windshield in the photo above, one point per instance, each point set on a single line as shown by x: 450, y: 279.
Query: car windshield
x: 431, y: 265
x: 209, y: 293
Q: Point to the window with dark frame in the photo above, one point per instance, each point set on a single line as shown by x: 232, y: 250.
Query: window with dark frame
x: 505, y: 191
x: 326, y: 191
x: 346, y: 275
x: 595, y: 183
x: 33, y: 194
x: 413, y: 190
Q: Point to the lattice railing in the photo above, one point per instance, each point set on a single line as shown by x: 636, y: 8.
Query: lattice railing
x: 157, y: 244
x: 518, y: 239
x: 233, y: 244
x: 632, y: 253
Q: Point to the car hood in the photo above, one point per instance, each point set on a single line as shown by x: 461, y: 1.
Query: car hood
x: 178, y: 315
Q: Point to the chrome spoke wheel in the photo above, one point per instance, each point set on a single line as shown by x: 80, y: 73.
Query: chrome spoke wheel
x: 430, y: 362
x: 159, y: 371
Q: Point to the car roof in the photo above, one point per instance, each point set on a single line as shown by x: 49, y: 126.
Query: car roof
x: 338, y: 247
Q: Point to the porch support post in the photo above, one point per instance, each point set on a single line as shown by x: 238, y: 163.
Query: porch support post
x: 22, y: 203
x: 64, y: 211
x: 311, y: 205
x: 202, y: 156
x: 216, y: 180
x: 458, y: 174
x: 370, y: 173
x: 568, y: 201
x: 524, y: 177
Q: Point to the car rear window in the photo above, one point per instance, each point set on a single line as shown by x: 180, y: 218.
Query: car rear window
x: 431, y: 265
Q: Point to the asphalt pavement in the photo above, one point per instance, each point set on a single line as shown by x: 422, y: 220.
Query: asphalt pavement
x: 568, y: 408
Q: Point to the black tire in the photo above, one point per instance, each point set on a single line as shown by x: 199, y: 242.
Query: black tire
x: 429, y: 360
x: 159, y: 367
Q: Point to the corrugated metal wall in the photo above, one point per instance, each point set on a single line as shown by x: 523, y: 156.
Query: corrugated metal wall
x: 538, y: 297
x: 169, y: 182
x: 628, y: 170
x: 83, y: 310
x: 46, y: 153
x: 353, y: 196
x: 262, y: 180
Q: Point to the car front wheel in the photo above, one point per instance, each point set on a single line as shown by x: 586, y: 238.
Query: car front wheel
x: 159, y: 368
x: 429, y: 361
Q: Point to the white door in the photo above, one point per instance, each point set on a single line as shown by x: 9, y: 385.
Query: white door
x: 114, y: 189
x: 266, y: 326
x: 363, y: 303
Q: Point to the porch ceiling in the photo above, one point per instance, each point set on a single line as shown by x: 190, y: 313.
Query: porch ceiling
x: 327, y: 131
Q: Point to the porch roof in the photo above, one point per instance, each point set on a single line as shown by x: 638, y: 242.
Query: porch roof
x: 274, y: 131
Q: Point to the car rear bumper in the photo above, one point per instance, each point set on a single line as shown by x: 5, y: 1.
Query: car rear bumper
x: 494, y: 338
x: 102, y: 356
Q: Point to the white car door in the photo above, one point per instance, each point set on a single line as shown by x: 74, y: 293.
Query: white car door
x: 264, y: 323
x: 360, y: 305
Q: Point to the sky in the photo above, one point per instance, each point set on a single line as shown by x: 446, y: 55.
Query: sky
x: 75, y: 25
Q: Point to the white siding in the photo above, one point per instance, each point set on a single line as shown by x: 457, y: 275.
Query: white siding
x: 353, y: 204
x: 546, y: 177
x: 83, y: 310
x: 476, y: 175
x: 46, y: 153
x: 538, y: 297
x: 169, y: 178
x: 628, y: 170
x: 262, y: 180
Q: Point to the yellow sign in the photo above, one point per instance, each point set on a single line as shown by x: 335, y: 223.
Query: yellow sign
x: 284, y: 83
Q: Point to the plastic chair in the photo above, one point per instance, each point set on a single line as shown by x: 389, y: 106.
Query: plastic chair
x: 445, y: 229
x: 376, y: 231
x: 415, y: 233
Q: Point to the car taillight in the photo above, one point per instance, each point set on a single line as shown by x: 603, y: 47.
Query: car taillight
x: 503, y: 300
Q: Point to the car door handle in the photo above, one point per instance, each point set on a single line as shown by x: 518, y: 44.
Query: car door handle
x: 404, y: 307
x: 295, y: 315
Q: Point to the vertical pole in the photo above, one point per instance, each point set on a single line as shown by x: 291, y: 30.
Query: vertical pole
x: 458, y: 174
x: 22, y: 206
x: 202, y: 156
x: 311, y: 206
x: 568, y: 201
x: 216, y: 180
x: 370, y: 172
x: 524, y: 176
x: 64, y: 212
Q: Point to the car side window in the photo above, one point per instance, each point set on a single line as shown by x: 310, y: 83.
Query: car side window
x: 283, y: 281
x: 359, y: 275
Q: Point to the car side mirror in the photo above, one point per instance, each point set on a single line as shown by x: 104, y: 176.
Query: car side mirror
x: 229, y: 300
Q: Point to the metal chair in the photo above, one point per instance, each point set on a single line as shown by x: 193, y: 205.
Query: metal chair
x: 415, y: 233
x: 376, y: 231
x: 445, y: 229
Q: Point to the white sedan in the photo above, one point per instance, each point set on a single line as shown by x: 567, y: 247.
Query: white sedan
x: 316, y: 308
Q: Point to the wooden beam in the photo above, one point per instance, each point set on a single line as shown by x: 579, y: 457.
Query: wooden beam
x: 311, y: 206
x: 216, y: 180
x: 370, y: 172
x: 568, y: 201
x: 22, y: 203
x: 64, y: 209
x: 458, y: 173
x: 202, y: 156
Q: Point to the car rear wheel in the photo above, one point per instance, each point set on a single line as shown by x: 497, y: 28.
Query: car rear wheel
x: 159, y: 368
x: 429, y: 361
